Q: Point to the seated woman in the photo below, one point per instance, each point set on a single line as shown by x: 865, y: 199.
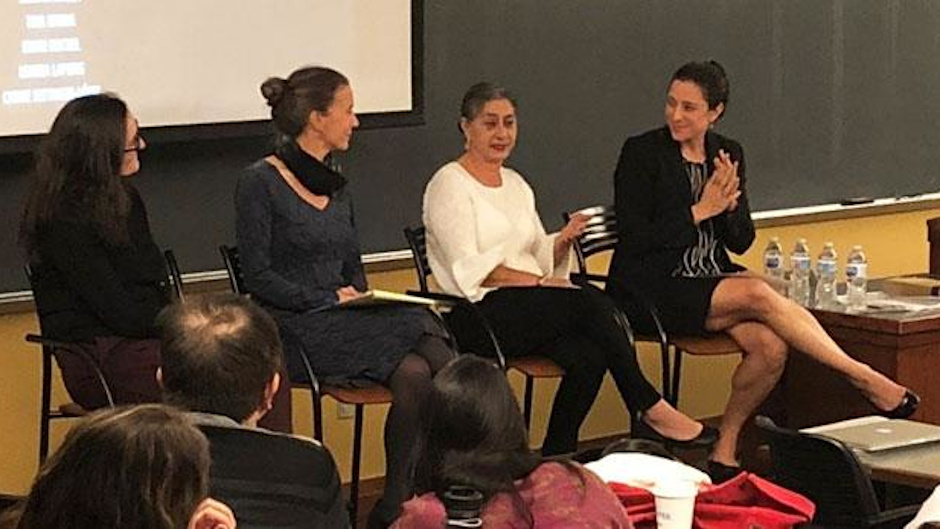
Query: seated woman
x: 475, y: 437
x: 681, y: 204
x: 486, y: 243
x: 143, y: 466
x: 300, y: 255
x: 97, y: 275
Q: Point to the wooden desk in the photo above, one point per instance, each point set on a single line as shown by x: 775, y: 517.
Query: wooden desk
x: 904, y: 346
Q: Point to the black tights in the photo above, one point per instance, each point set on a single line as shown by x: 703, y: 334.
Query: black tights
x: 576, y: 328
x: 410, y: 384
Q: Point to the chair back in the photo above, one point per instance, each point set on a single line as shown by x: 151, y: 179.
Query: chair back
x: 599, y: 235
x: 825, y: 471
x: 274, y: 480
x: 418, y: 242
x: 173, y: 271
x: 233, y: 267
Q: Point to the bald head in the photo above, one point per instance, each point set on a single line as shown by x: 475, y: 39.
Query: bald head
x: 220, y: 353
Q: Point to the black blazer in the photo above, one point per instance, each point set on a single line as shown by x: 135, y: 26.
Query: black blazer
x: 653, y: 201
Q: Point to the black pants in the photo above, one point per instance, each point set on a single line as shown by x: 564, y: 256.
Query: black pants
x: 575, y: 328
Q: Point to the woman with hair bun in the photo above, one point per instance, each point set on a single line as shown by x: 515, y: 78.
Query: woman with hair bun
x: 300, y: 255
x: 681, y: 205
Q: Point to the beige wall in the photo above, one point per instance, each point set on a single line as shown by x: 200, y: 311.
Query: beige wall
x: 895, y: 243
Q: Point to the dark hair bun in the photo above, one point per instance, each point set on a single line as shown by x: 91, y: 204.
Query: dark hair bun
x: 273, y: 90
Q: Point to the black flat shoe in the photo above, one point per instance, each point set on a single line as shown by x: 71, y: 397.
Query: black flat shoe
x: 705, y: 439
x: 905, y: 409
x: 720, y: 472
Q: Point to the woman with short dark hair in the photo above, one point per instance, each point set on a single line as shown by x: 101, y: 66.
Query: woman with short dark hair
x: 300, y: 255
x: 144, y: 467
x: 681, y: 204
x: 475, y: 437
x: 97, y: 275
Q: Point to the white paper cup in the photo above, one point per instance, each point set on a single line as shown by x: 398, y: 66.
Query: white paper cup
x: 675, y: 503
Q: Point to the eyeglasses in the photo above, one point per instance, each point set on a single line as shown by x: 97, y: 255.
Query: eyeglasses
x: 138, y: 145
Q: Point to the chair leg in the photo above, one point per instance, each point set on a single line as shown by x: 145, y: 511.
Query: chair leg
x: 527, y: 403
x: 666, y: 370
x: 44, y: 414
x: 317, y: 404
x: 676, y: 376
x: 357, y: 456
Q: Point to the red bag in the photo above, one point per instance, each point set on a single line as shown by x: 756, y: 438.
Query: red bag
x: 746, y: 501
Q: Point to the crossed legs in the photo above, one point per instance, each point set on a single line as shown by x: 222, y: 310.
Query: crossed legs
x: 766, y: 325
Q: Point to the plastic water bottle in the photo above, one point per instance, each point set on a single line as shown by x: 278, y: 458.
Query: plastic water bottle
x: 826, y: 269
x: 799, y: 273
x: 856, y: 278
x: 773, y: 264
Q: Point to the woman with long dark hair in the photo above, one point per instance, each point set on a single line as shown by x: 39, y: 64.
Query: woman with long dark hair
x: 300, y: 255
x: 475, y: 437
x: 486, y: 242
x: 681, y: 204
x: 98, y: 277
x: 144, y: 467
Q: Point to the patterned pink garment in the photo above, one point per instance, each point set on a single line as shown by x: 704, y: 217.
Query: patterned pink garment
x: 553, y: 493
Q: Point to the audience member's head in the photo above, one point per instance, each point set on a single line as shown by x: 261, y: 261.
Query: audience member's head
x: 221, y: 355
x: 475, y: 434
x: 79, y: 169
x: 144, y: 467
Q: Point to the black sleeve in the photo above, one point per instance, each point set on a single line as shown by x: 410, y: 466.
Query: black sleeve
x: 735, y: 228
x: 86, y: 267
x: 253, y: 221
x: 644, y: 216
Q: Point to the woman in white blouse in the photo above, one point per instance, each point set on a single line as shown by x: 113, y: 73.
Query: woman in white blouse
x: 487, y: 243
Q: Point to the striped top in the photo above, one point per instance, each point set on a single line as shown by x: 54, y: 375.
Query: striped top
x: 700, y: 260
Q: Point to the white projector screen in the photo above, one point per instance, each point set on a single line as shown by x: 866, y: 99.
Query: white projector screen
x: 191, y: 62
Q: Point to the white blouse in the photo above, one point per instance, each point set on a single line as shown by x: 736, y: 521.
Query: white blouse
x: 473, y: 228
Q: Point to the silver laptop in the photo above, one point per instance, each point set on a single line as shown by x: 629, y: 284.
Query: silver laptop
x: 886, y: 434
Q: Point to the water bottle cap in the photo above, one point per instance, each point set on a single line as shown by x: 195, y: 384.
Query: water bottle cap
x: 801, y: 240
x: 857, y: 247
x: 829, y: 244
x: 775, y: 239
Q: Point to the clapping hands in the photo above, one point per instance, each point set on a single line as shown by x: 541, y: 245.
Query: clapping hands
x: 721, y: 191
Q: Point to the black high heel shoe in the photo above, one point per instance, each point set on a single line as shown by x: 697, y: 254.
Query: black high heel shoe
x: 905, y: 409
x: 705, y: 439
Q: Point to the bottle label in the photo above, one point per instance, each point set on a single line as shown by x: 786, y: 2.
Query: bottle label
x: 799, y: 262
x: 856, y: 270
x: 826, y: 266
x: 772, y: 262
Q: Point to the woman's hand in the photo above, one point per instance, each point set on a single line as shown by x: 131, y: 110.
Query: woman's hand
x: 212, y: 514
x: 566, y: 237
x: 721, y: 190
x: 347, y: 293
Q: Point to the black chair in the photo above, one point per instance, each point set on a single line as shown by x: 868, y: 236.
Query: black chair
x: 274, y: 480
x: 56, y: 349
x: 600, y: 236
x: 357, y: 397
x: 531, y: 367
x: 173, y: 272
x: 829, y: 474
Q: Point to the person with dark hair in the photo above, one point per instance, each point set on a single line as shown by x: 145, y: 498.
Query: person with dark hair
x: 145, y: 467
x: 98, y: 277
x: 681, y: 204
x: 221, y: 360
x: 300, y: 255
x: 475, y: 437
x: 487, y: 243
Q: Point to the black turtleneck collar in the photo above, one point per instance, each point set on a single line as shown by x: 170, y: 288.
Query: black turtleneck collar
x: 319, y: 178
